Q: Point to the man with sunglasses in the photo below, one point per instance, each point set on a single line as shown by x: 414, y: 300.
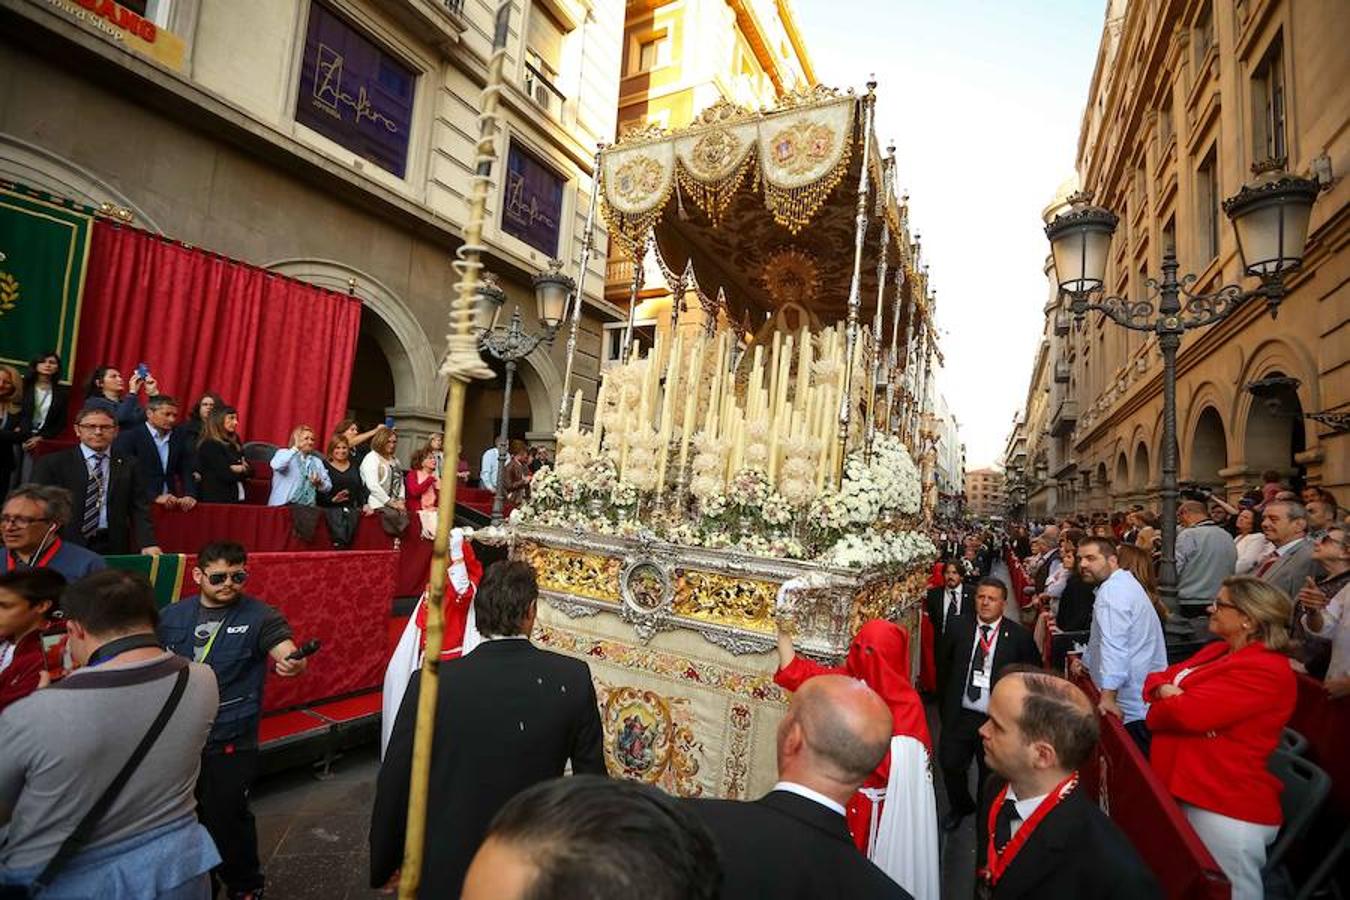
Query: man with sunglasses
x: 235, y: 635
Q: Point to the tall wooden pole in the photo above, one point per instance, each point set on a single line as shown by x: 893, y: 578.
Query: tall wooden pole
x: 462, y: 363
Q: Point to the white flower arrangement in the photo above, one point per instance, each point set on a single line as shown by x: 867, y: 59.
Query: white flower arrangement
x: 881, y: 549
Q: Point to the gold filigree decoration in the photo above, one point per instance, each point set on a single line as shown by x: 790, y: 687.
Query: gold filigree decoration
x: 736, y: 768
x: 649, y: 738
x: 721, y: 112
x: 797, y: 149
x: 791, y: 275
x: 639, y: 183
x: 811, y: 96
x: 642, y: 133
x: 801, y: 146
x: 638, y: 179
x: 582, y: 574
x: 726, y: 600
x: 887, y: 598
x: 713, y: 152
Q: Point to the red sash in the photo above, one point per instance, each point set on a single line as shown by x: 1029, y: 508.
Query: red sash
x: 998, y: 862
x: 8, y: 564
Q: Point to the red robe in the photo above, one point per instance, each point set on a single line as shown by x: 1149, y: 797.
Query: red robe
x: 20, y: 677
x: 455, y: 609
x: 878, y: 656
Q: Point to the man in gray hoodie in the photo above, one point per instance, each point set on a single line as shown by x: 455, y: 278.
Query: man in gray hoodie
x: 1206, y: 555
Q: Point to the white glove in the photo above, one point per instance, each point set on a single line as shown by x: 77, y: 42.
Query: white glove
x: 459, y: 572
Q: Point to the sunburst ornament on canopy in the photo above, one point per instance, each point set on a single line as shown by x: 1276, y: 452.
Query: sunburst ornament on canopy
x: 791, y: 275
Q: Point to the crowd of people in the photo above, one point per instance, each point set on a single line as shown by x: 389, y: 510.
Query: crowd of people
x: 1260, y: 591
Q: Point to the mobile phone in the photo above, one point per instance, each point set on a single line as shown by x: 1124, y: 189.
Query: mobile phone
x: 143, y: 371
x: 388, y: 421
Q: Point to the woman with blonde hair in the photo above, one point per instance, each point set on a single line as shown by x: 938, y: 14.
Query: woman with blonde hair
x: 1140, y: 564
x: 384, y: 481
x: 11, y: 435
x: 1215, y: 720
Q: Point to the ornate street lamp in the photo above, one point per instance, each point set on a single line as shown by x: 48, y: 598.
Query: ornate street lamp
x: 1270, y: 218
x: 513, y: 343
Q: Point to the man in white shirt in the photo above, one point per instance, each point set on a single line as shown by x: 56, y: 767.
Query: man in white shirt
x: 489, y: 465
x: 1126, y: 643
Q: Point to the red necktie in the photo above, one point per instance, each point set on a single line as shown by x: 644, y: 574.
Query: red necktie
x: 1267, y: 563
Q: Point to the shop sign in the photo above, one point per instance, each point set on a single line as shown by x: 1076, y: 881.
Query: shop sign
x: 354, y: 93
x: 532, y: 209
x: 126, y: 28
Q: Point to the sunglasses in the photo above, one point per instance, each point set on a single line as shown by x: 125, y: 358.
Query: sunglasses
x: 219, y: 578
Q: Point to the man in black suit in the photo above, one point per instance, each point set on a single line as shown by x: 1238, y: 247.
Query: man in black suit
x: 1040, y: 730
x: 508, y: 715
x: 794, y: 841
x: 161, y: 454
x: 951, y: 601
x: 111, y: 512
x: 975, y: 650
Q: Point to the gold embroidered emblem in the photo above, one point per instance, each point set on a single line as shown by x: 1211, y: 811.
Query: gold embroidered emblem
x: 801, y: 146
x: 9, y: 290
x: 638, y: 179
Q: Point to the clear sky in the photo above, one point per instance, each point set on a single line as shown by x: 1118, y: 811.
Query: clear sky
x: 983, y: 99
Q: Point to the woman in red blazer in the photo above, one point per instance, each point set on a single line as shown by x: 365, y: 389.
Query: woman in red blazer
x: 1216, y: 718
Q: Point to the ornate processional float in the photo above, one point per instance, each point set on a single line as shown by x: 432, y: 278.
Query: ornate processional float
x: 765, y: 437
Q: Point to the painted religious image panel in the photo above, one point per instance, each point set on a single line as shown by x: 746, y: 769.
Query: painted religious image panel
x: 533, y: 205
x: 353, y: 92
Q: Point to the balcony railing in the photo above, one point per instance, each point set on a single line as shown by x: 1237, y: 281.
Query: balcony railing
x: 542, y: 91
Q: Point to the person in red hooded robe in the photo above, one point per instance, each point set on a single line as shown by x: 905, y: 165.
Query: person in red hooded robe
x: 458, y: 636
x: 893, y: 816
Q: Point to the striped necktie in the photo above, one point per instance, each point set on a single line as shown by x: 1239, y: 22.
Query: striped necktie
x: 93, y: 495
x: 1271, y: 559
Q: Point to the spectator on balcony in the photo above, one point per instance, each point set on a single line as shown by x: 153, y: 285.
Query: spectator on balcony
x: 358, y: 441
x: 518, y: 474
x: 46, y: 407
x: 422, y: 484
x: 109, y: 392
x: 488, y: 465
x: 298, y: 473
x: 1217, y: 717
x: 220, y: 458
x: 113, y: 512
x: 196, y: 420
x: 162, y: 455
x: 383, y: 479
x: 12, y: 431
x: 436, y: 447
x: 1205, y: 556
x: 344, y: 502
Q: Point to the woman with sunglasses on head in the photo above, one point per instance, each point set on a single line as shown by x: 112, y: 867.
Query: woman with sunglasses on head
x: 237, y: 636
x: 1215, y: 720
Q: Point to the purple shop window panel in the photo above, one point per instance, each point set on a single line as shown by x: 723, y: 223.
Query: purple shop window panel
x: 355, y: 93
x: 532, y: 210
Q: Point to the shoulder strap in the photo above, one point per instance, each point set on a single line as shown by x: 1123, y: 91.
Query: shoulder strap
x: 85, y: 829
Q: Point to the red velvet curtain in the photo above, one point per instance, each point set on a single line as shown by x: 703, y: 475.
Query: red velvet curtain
x: 277, y: 349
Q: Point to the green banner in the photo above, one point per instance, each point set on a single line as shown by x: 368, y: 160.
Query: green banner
x: 43, y: 250
x: 165, y: 572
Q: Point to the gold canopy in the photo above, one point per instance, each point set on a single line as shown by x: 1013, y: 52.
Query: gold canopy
x: 762, y: 207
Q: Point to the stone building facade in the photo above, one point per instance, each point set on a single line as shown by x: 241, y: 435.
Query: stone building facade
x: 1186, y: 96
x: 984, y: 493
x: 208, y: 134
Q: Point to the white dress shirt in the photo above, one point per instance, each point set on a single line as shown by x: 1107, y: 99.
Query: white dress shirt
x: 982, y: 704
x: 487, y: 469
x: 1126, y: 643
x: 802, y: 790
x: 1025, y: 809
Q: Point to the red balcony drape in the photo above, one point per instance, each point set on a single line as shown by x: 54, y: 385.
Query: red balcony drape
x: 277, y: 349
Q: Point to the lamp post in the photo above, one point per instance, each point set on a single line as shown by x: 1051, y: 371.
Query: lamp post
x: 512, y: 343
x: 1270, y: 218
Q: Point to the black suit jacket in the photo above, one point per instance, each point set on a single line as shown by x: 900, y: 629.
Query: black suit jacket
x: 139, y: 447
x: 784, y: 846
x: 508, y: 716
x: 937, y: 606
x: 129, y: 526
x: 58, y: 413
x: 1076, y: 851
x: 1015, y: 645
x: 1043, y: 571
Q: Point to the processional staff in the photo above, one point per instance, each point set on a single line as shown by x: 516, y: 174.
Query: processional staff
x: 462, y: 363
